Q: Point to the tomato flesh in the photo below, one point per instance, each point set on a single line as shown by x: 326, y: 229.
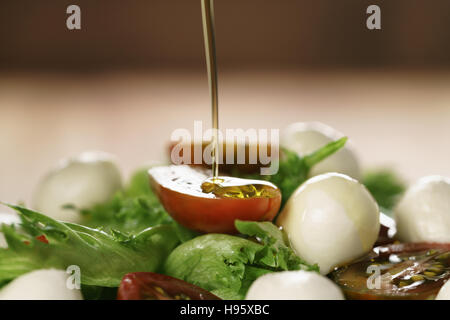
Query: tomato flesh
x: 179, y: 190
x: 413, y: 271
x: 154, y: 286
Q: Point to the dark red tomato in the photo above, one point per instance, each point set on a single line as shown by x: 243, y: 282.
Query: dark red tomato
x: 245, y: 167
x: 179, y: 189
x: 387, y: 230
x: 413, y: 271
x: 154, y: 286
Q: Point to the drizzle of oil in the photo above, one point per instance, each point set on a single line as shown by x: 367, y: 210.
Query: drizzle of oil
x: 223, y: 186
x: 229, y: 187
x: 211, y: 63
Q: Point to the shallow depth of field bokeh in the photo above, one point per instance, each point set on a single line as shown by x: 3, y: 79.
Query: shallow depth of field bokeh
x: 136, y: 72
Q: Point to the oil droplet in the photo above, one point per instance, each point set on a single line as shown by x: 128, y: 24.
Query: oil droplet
x: 228, y: 187
x: 417, y: 277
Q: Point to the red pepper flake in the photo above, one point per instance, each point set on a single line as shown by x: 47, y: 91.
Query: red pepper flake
x: 42, y: 239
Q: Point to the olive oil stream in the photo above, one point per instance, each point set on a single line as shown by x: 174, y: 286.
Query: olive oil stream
x: 211, y: 63
x: 222, y: 186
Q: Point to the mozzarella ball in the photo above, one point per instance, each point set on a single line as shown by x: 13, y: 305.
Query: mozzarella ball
x: 331, y: 220
x: 7, y: 218
x: 423, y: 214
x: 46, y: 284
x: 294, y: 285
x: 307, y: 137
x: 444, y: 293
x: 82, y: 181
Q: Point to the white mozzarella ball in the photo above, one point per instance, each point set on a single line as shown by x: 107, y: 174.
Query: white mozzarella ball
x: 307, y: 137
x: 46, y: 284
x: 423, y: 214
x: 331, y: 220
x: 82, y: 181
x: 444, y: 293
x: 294, y: 285
x: 7, y: 218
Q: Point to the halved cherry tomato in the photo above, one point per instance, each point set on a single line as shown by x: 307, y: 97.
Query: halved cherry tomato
x: 154, y: 286
x: 179, y: 189
x: 414, y: 271
x: 225, y: 167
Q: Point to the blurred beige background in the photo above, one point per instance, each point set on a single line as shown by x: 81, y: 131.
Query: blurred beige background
x: 135, y: 72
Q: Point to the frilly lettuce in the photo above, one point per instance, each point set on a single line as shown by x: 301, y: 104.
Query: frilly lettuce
x: 131, y: 210
x: 103, y: 258
x: 227, y: 265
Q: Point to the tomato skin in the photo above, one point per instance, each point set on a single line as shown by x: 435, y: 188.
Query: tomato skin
x: 387, y: 230
x: 225, y: 167
x: 129, y: 288
x: 179, y: 190
x: 352, y: 278
x: 216, y: 214
x: 154, y: 286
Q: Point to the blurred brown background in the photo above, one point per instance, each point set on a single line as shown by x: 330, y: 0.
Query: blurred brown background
x: 155, y: 33
x: 136, y: 71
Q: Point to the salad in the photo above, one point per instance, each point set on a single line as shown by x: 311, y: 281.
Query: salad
x: 322, y: 227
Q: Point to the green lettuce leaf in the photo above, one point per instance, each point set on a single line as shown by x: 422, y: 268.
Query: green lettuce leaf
x: 385, y: 186
x: 131, y: 210
x: 215, y: 262
x: 103, y: 258
x: 227, y: 265
x: 277, y: 252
